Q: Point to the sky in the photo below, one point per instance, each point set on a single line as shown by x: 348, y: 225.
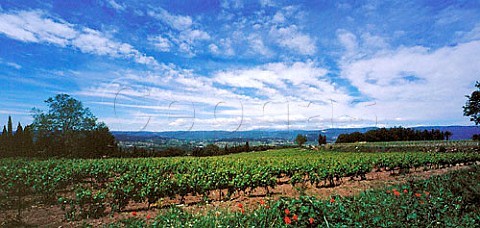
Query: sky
x: 242, y: 65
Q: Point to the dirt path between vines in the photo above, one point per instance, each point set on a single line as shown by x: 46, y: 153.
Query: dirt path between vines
x: 53, y: 216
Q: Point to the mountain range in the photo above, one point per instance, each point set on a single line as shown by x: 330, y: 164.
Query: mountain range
x: 458, y: 133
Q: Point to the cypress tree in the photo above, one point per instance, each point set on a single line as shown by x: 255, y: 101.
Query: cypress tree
x: 28, y: 141
x: 17, y: 141
x: 10, y: 127
x: 3, y: 142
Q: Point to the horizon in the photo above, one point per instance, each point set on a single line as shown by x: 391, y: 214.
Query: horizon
x: 242, y: 65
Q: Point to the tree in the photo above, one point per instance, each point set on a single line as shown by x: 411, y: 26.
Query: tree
x: 301, y: 139
x: 28, y: 141
x: 447, y: 135
x: 472, y: 106
x: 17, y: 141
x: 322, y: 139
x: 10, y: 127
x: 475, y: 137
x: 69, y: 129
x: 247, y: 147
x: 3, y: 142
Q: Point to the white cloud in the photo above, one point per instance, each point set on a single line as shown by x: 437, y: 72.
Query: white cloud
x: 359, y: 47
x: 348, y: 40
x: 213, y: 49
x: 37, y: 27
x: 10, y: 64
x: 115, y: 5
x: 471, y: 35
x: 265, y: 3
x: 14, y: 65
x: 273, y: 77
x: 31, y: 26
x: 417, y: 81
x: 278, y: 17
x: 161, y: 43
x: 185, y: 36
x: 290, y: 38
x: 178, y: 22
x: 186, y: 41
x: 232, y: 4
x: 258, y: 46
x: 275, y: 95
x: 92, y: 41
x: 196, y: 34
x: 224, y: 47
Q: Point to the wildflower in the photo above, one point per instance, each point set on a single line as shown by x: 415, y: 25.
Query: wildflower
x: 405, y: 191
x: 149, y: 217
x: 427, y: 193
x: 243, y: 211
x: 295, y: 217
x: 311, y: 220
x: 240, y: 205
x: 268, y: 207
x: 418, y: 194
x: 388, y: 191
x: 421, y: 202
x: 396, y: 193
x: 287, y: 220
x: 287, y: 211
x: 262, y: 202
x: 134, y: 213
x: 332, y: 200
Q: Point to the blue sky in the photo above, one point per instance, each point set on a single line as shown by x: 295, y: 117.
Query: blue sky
x: 242, y: 65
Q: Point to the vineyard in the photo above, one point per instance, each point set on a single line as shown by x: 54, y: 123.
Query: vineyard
x: 95, y: 188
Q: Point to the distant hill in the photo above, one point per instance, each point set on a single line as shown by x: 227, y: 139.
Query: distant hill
x: 458, y: 133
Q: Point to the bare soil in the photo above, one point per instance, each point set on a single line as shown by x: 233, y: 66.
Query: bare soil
x: 41, y: 215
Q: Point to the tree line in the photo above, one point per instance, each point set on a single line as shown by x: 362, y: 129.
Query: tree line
x: 197, y: 151
x: 66, y: 130
x: 18, y: 143
x: 393, y: 134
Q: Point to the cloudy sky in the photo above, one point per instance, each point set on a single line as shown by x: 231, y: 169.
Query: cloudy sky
x: 242, y: 65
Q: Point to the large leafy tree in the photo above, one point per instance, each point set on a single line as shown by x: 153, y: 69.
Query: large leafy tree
x: 69, y: 129
x: 472, y: 106
x: 301, y: 139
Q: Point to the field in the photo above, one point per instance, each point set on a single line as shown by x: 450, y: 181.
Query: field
x: 323, y: 188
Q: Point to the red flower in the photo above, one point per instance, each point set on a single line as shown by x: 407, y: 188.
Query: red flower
x: 388, y: 191
x: 243, y: 211
x: 427, y: 193
x: 405, y: 191
x: 134, y: 213
x: 268, y: 207
x: 396, y: 193
x: 311, y: 220
x: 240, y: 205
x: 295, y: 217
x: 332, y: 200
x: 287, y: 220
x: 421, y: 202
x: 148, y: 217
x: 418, y: 194
x: 287, y: 211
